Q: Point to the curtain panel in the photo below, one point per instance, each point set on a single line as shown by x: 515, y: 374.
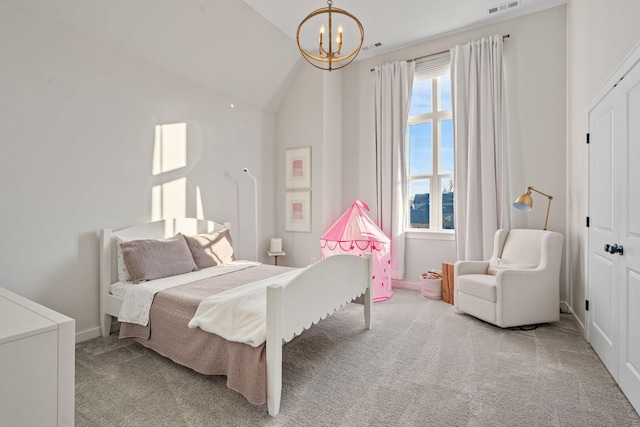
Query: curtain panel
x: 481, y: 169
x: 393, y: 86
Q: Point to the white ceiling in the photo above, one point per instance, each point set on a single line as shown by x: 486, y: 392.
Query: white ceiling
x: 227, y: 45
x: 399, y: 23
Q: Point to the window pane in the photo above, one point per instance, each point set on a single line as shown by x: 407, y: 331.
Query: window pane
x: 420, y: 149
x: 419, y: 203
x: 445, y: 92
x: 447, y: 204
x: 446, y: 146
x: 421, y: 98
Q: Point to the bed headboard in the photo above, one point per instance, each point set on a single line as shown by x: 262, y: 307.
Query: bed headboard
x: 150, y: 230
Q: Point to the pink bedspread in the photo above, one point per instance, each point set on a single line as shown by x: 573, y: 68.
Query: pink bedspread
x: 169, y: 335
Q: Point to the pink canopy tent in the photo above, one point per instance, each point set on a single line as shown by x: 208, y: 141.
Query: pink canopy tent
x: 354, y: 233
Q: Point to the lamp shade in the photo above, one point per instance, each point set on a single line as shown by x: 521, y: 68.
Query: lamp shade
x: 524, y: 202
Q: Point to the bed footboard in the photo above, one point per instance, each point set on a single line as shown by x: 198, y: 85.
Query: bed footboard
x: 313, y: 295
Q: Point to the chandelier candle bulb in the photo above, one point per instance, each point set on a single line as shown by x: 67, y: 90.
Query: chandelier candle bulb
x: 276, y: 245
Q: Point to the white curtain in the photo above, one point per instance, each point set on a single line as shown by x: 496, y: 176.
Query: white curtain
x: 481, y: 170
x: 393, y: 86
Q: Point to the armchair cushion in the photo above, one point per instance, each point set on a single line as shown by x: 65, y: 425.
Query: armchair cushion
x: 497, y: 264
x: 479, y: 285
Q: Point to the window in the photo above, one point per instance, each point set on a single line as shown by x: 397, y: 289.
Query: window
x: 429, y: 145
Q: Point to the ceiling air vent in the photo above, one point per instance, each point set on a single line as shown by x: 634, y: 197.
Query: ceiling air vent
x: 372, y: 46
x: 504, y: 6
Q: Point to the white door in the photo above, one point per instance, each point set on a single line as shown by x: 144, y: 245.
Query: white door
x: 629, y: 368
x: 614, y: 210
x: 603, y: 198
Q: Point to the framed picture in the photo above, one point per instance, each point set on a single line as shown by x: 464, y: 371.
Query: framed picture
x: 298, y: 211
x: 298, y: 168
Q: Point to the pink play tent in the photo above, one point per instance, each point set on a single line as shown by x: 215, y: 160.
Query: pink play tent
x: 354, y: 233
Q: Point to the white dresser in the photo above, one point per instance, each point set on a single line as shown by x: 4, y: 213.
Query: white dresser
x: 37, y: 364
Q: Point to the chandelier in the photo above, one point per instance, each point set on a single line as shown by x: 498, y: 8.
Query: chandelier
x: 327, y: 54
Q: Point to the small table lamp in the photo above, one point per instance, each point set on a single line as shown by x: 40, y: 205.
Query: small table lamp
x: 524, y: 202
x: 275, y: 248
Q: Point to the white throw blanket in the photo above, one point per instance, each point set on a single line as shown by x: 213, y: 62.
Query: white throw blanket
x: 239, y: 314
x: 137, y: 298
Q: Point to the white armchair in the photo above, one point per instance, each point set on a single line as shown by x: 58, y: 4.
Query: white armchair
x: 519, y: 285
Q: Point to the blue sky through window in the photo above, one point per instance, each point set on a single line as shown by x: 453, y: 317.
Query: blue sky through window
x: 446, y: 146
x: 445, y: 92
x: 420, y: 159
x: 421, y: 98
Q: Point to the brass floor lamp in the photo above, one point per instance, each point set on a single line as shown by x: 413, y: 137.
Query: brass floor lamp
x: 524, y: 202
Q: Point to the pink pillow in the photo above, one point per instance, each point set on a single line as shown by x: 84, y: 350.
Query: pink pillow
x: 149, y: 259
x: 213, y: 249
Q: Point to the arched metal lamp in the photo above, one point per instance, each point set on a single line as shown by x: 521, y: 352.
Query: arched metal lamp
x: 331, y: 57
x: 524, y: 202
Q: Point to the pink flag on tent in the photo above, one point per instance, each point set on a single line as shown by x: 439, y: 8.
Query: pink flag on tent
x: 354, y: 233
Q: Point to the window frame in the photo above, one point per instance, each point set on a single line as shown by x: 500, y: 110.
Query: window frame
x: 436, y: 117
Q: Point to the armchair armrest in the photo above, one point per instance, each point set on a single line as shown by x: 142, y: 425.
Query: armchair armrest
x: 470, y: 267
x: 461, y: 268
x: 523, y: 294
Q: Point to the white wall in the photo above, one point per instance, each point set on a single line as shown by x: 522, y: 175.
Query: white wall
x: 535, y: 68
x: 300, y: 123
x: 76, y: 138
x: 599, y: 35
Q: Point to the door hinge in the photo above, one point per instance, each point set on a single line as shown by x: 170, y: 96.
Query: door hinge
x: 588, y: 138
x: 586, y: 305
x: 587, y: 221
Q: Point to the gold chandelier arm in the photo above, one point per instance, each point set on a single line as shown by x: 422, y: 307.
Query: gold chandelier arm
x: 330, y: 57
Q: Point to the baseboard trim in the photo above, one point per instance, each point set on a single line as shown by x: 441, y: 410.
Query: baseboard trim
x: 95, y: 332
x: 566, y: 308
x: 87, y: 335
x: 406, y: 285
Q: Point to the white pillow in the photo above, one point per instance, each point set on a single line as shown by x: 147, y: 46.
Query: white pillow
x: 123, y: 271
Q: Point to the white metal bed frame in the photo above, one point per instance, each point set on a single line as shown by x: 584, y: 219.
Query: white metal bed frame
x: 314, y: 294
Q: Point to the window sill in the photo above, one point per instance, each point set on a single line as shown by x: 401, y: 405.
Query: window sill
x: 430, y: 235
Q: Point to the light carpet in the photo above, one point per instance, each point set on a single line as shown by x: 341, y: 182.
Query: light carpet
x: 423, y: 363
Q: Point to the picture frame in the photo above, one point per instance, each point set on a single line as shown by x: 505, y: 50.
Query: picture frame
x: 298, y: 168
x: 298, y: 211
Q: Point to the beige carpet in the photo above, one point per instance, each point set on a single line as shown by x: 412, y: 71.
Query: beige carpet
x: 423, y: 364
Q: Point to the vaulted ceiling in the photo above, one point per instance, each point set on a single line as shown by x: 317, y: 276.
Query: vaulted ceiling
x: 247, y: 49
x: 400, y: 23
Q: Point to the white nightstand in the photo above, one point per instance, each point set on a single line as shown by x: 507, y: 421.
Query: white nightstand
x: 276, y: 255
x: 37, y: 351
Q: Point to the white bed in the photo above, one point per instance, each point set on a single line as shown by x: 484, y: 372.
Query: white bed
x: 316, y: 292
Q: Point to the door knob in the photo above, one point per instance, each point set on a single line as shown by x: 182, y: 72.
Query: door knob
x: 613, y: 249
